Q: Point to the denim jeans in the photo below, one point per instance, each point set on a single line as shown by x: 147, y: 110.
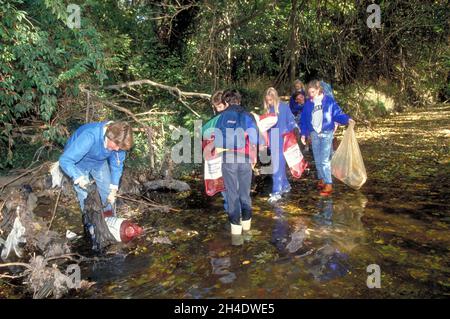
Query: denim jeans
x: 225, y: 202
x: 102, y: 178
x: 321, y: 145
x: 238, y: 179
x: 280, y: 182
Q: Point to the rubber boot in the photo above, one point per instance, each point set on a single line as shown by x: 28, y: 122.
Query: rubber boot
x: 236, y: 235
x: 246, y: 224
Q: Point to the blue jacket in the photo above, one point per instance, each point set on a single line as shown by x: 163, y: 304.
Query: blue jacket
x: 235, y: 117
x: 286, y: 121
x: 331, y: 113
x: 294, y: 106
x: 85, y: 150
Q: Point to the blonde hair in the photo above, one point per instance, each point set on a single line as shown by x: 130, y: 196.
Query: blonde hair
x: 299, y: 82
x: 272, y: 92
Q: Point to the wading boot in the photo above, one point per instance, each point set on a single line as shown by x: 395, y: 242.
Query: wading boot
x: 236, y: 235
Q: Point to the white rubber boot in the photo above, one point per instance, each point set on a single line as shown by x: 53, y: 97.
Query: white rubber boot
x: 236, y: 229
x: 236, y: 235
x: 246, y: 224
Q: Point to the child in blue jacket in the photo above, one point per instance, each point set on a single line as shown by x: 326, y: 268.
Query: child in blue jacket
x: 239, y: 137
x: 97, y: 150
x: 318, y: 121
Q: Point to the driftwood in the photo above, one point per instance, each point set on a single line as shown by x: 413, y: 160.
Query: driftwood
x: 41, y: 274
x: 20, y: 205
x: 29, y: 171
x: 167, y: 184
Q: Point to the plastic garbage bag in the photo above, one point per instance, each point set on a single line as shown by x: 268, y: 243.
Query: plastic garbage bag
x: 15, y: 239
x: 94, y: 223
x: 294, y: 157
x: 213, y: 169
x: 57, y: 175
x: 347, y: 163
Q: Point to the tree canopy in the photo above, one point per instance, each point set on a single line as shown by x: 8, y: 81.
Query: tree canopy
x: 53, y: 76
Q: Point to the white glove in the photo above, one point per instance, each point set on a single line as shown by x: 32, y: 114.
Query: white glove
x: 112, y: 196
x: 82, y: 182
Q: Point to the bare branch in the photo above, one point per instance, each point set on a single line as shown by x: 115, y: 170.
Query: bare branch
x: 172, y: 90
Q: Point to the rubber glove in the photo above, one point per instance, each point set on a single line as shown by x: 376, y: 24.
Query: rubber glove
x: 112, y: 196
x: 82, y: 182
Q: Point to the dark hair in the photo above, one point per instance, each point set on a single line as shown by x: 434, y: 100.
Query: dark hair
x: 216, y: 98
x: 231, y: 97
x: 296, y: 94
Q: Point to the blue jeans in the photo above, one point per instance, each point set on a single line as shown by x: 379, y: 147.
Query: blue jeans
x: 238, y: 179
x: 225, y: 203
x: 279, y: 179
x: 321, y: 145
x: 102, y: 178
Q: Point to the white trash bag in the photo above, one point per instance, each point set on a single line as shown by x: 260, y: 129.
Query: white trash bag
x: 347, y: 164
x: 15, y: 238
x: 57, y: 175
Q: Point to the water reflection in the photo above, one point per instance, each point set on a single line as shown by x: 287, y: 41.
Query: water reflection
x: 325, y: 212
x: 220, y: 261
x: 115, y: 267
x: 220, y: 266
x: 321, y: 243
x: 337, y: 231
x: 280, y: 232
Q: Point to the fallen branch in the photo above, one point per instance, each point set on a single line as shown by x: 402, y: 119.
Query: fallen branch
x: 16, y: 264
x: 164, y: 207
x: 22, y: 175
x: 173, y: 90
x: 171, y: 184
x: 70, y: 257
x: 54, y: 209
x: 113, y: 105
x: 12, y: 277
x: 176, y: 92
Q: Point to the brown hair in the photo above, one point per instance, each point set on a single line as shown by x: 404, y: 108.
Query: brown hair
x: 316, y: 85
x: 231, y: 97
x: 216, y: 98
x: 121, y: 134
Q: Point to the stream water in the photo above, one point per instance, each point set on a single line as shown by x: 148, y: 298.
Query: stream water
x: 303, y: 247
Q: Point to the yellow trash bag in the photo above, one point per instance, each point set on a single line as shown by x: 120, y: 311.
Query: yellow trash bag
x: 347, y: 164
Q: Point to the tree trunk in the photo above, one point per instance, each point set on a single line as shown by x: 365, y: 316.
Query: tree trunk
x: 289, y: 68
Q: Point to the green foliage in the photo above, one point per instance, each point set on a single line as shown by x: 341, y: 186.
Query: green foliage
x: 42, y: 60
x: 202, y: 46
